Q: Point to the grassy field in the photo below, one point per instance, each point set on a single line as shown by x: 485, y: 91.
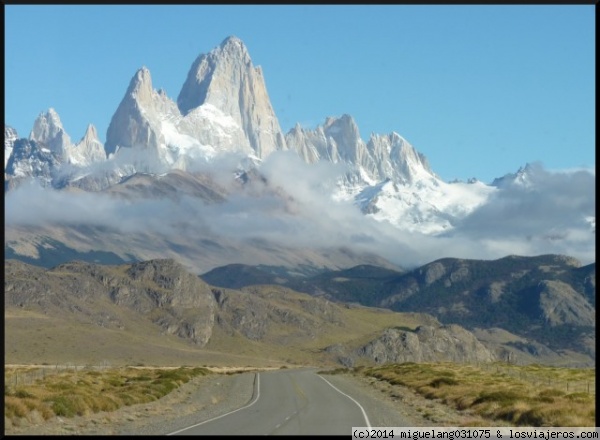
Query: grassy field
x: 499, y: 394
x: 84, y: 391
x: 513, y: 395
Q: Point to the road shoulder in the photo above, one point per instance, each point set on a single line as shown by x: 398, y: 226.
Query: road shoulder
x: 394, y: 405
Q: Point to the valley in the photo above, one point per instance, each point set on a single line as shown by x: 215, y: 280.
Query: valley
x: 119, y: 319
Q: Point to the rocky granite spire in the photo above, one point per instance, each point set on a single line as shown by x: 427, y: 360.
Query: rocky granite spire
x: 88, y: 150
x: 48, y: 130
x: 130, y: 125
x: 383, y: 157
x: 226, y: 79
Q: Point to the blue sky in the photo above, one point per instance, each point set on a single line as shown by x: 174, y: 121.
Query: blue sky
x: 479, y: 90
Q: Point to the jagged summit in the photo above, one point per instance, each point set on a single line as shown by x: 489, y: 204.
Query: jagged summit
x: 140, y: 86
x: 222, y: 125
x: 384, y: 156
x: 88, y: 150
x: 223, y: 107
x: 130, y: 126
x: 90, y: 133
x: 226, y: 79
x: 209, y: 71
x: 398, y: 159
x: 232, y: 45
x: 48, y: 129
x: 522, y: 177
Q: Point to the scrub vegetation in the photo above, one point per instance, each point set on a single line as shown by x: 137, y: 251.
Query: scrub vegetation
x: 530, y: 395
x: 72, y: 393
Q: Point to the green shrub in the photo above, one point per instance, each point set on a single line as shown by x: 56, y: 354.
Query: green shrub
x: 68, y: 406
x: 21, y: 393
x: 436, y: 383
x: 503, y: 398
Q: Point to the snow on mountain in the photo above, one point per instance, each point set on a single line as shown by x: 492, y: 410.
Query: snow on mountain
x: 387, y: 178
x: 337, y: 141
x: 521, y: 178
x: 429, y: 206
x: 10, y: 136
x: 40, y: 156
x: 226, y: 79
x: 48, y: 130
x: 30, y: 160
x: 397, y: 159
x: 383, y: 157
x: 88, y: 150
x: 223, y: 108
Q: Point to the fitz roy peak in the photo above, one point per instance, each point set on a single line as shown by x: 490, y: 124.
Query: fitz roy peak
x: 226, y: 79
x: 224, y: 108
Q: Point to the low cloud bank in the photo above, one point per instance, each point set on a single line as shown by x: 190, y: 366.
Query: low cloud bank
x: 295, y: 209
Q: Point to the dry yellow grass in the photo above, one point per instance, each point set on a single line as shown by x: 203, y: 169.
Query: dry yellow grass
x: 534, y: 396
x: 89, y: 391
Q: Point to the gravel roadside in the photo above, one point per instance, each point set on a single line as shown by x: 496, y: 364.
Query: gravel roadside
x: 206, y: 397
x: 389, y: 405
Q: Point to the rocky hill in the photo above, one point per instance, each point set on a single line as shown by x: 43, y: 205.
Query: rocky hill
x: 162, y: 291
x: 542, y: 305
x: 152, y: 300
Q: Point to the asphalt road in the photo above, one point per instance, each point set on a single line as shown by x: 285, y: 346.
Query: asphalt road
x: 298, y: 402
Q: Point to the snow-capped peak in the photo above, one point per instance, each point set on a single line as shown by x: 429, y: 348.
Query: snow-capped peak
x: 521, y: 178
x: 226, y: 79
x: 88, y: 150
x: 91, y: 135
x: 48, y: 129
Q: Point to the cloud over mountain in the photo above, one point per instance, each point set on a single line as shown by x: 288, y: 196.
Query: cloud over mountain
x: 214, y: 166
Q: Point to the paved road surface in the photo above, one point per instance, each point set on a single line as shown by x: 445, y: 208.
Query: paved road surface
x: 296, y: 402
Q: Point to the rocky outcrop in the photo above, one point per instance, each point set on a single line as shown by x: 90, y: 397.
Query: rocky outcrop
x: 432, y: 272
x: 275, y: 314
x: 31, y: 160
x: 161, y: 291
x: 449, y: 343
x: 560, y: 304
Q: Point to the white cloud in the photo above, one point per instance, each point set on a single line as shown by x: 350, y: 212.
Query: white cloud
x: 295, y: 209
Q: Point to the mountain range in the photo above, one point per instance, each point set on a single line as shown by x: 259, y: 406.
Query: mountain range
x: 216, y: 154
x: 537, y: 306
x: 200, y: 227
x: 157, y: 312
